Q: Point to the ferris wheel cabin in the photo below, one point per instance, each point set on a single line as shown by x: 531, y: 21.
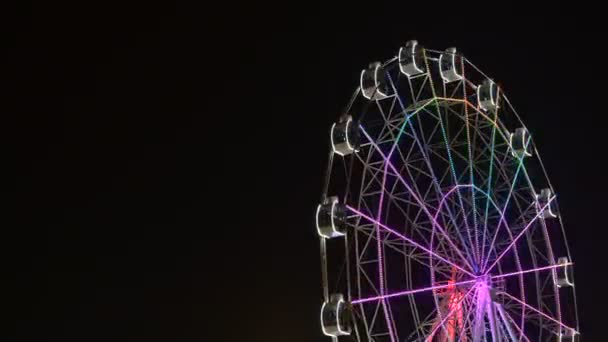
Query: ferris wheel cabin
x: 449, y: 66
x: 568, y: 335
x: 411, y: 59
x: 546, y: 203
x: 564, y: 276
x: 345, y: 137
x: 487, y: 93
x: 373, y: 82
x: 520, y: 142
x: 334, y: 317
x: 330, y: 218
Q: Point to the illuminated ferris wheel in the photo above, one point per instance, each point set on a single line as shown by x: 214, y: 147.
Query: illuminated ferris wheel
x: 437, y: 220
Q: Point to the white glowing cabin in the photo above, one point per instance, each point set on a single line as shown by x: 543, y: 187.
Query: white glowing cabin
x: 334, y: 317
x: 450, y: 67
x: 411, y: 59
x: 568, y: 335
x: 373, y: 82
x: 330, y: 218
x: 546, y: 203
x: 487, y: 95
x: 345, y: 136
x: 564, y: 276
x: 521, y: 143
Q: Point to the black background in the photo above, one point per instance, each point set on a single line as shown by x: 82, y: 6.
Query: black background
x: 170, y: 157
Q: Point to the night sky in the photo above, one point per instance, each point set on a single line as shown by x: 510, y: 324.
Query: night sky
x: 169, y: 159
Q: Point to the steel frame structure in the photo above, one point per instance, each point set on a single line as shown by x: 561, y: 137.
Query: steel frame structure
x: 443, y: 218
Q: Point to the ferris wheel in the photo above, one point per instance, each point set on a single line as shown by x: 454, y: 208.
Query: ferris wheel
x: 437, y: 220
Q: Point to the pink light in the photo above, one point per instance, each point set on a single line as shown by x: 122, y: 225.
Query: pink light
x: 519, y: 235
x: 538, y: 311
x: 430, y: 338
x: 532, y: 270
x: 404, y: 293
x: 408, y: 239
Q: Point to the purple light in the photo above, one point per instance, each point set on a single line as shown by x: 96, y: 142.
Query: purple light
x: 445, y: 196
x: 404, y: 293
x: 379, y: 249
x: 413, y: 193
x: 518, y: 236
x: 408, y: 240
x: 537, y: 311
x: 521, y: 333
x: 532, y: 270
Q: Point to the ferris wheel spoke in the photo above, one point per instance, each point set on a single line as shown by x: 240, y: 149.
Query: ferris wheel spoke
x: 370, y: 219
x: 538, y: 269
x: 489, y: 181
x: 448, y: 151
x: 537, y: 311
x: 519, y: 235
x: 417, y: 199
x: 398, y: 246
x: 514, y: 324
x: 435, y: 183
x: 472, y: 179
x: 420, y: 331
x: 520, y: 164
x: 455, y: 179
x: 411, y: 292
x: 471, y: 315
x: 504, y: 209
